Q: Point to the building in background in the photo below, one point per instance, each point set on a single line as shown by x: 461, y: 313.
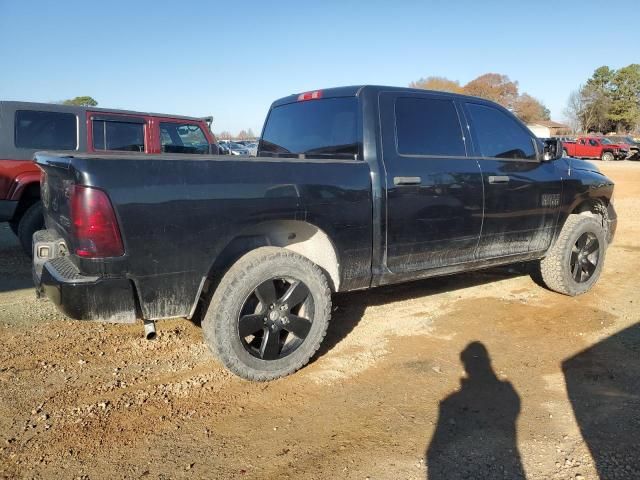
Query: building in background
x: 548, y: 128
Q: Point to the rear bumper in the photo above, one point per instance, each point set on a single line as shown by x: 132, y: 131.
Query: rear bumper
x: 79, y: 296
x: 7, y: 209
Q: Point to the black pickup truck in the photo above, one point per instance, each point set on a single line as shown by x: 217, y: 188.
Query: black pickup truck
x: 353, y: 188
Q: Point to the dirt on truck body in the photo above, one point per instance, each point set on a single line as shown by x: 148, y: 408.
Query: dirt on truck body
x: 399, y: 386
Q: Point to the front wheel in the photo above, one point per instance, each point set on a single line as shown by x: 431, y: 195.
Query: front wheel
x: 574, y: 263
x: 268, y: 315
x: 607, y: 157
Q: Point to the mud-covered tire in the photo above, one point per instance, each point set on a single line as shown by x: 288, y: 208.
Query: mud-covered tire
x: 30, y: 222
x: 607, y: 157
x: 555, y: 270
x: 221, y: 323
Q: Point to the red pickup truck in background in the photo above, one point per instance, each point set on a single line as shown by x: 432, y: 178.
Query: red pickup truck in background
x: 596, y: 147
x: 28, y: 127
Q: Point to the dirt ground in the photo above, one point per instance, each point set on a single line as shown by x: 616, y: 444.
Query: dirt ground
x: 482, y: 375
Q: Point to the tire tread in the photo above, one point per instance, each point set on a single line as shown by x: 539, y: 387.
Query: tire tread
x: 237, y: 275
x: 552, y: 268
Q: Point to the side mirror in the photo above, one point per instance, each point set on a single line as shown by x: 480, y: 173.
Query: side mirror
x: 552, y: 150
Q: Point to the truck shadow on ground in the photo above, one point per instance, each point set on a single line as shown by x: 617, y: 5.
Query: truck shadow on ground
x: 349, y: 307
x: 603, y: 382
x: 15, y: 265
x: 475, y: 436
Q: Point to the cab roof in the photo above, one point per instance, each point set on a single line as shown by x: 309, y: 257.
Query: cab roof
x: 357, y: 90
x: 76, y: 109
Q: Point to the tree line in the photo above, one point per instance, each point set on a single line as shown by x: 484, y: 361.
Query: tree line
x: 492, y: 86
x: 241, y: 135
x: 608, y: 102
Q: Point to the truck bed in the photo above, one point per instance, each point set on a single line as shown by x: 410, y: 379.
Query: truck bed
x: 180, y: 214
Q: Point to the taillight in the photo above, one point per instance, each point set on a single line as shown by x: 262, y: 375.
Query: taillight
x: 94, y: 222
x: 315, y: 95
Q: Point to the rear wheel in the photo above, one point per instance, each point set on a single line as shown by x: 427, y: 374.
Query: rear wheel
x: 30, y: 222
x: 574, y: 263
x: 268, y: 315
x: 607, y: 157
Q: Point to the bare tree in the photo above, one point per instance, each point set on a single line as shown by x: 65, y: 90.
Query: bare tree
x: 573, y: 111
x: 595, y: 107
x: 587, y: 109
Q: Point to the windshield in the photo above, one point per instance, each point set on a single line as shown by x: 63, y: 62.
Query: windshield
x: 314, y: 128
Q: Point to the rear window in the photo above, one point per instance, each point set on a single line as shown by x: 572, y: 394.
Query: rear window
x: 314, y: 128
x: 50, y: 130
x: 122, y: 136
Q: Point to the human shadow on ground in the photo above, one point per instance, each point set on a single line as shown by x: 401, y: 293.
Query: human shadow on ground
x: 603, y: 383
x: 475, y: 437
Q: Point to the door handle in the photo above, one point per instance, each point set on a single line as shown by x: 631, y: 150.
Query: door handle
x: 499, y: 179
x: 398, y: 181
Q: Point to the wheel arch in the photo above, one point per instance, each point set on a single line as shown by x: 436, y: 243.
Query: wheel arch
x: 301, y: 237
x: 27, y: 195
x: 595, y: 206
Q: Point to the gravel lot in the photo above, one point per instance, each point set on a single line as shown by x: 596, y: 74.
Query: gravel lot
x: 481, y: 375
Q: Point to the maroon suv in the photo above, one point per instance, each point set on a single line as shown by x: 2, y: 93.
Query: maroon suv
x: 28, y: 127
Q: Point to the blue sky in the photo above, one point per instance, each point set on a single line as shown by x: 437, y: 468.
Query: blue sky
x: 232, y: 59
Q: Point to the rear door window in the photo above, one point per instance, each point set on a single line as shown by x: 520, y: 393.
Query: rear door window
x: 183, y: 138
x: 50, y: 130
x: 313, y: 128
x: 499, y: 135
x: 429, y: 127
x: 121, y: 135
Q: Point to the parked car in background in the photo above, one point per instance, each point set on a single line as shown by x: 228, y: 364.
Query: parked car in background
x: 595, y: 147
x: 237, y: 149
x: 353, y: 188
x: 253, y: 149
x: 566, y: 139
x: 223, y: 148
x: 634, y: 145
x: 28, y: 127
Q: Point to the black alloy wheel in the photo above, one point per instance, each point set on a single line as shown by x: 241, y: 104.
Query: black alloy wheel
x: 585, y: 255
x: 276, y: 318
